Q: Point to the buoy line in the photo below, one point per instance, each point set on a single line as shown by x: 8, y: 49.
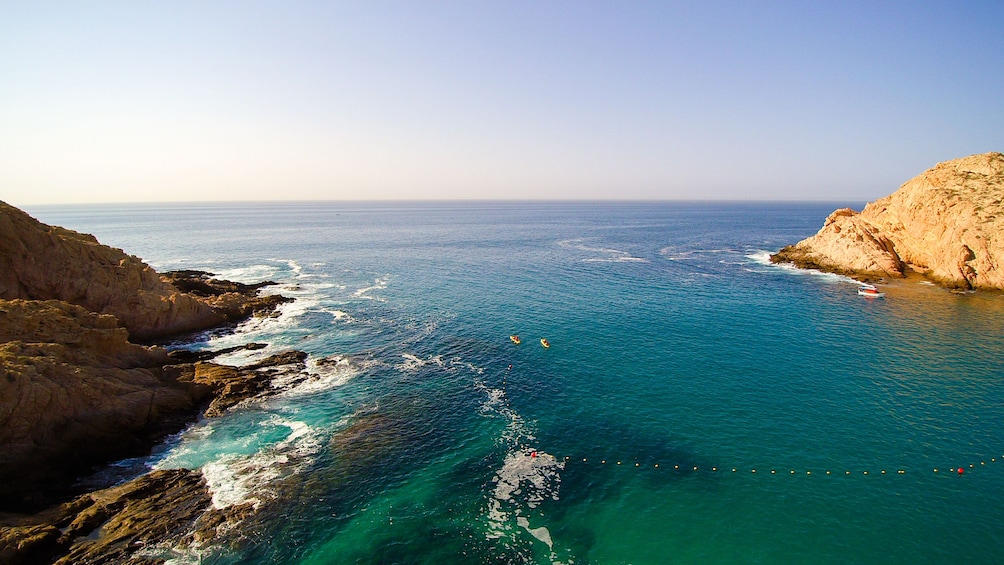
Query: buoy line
x: 954, y: 470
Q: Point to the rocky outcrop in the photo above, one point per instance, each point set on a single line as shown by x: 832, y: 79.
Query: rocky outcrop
x: 41, y: 262
x: 138, y: 522
x: 74, y: 390
x: 232, y: 385
x: 73, y: 393
x: 947, y: 224
x: 233, y: 300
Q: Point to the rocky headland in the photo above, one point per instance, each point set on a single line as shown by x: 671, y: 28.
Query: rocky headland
x: 946, y: 224
x: 82, y: 384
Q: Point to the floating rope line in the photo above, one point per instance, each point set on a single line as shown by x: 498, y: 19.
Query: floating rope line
x: 951, y: 470
x: 568, y: 459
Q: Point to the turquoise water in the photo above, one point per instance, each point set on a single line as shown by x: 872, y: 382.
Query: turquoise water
x: 678, y: 353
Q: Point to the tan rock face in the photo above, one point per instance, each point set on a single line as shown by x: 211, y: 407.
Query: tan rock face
x: 74, y: 392
x: 41, y: 262
x: 169, y: 508
x: 947, y: 223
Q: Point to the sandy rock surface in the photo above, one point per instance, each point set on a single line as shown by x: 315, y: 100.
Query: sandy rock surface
x: 947, y: 224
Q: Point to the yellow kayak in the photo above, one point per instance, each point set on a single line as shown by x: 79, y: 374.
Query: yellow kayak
x: 515, y: 339
x: 544, y: 342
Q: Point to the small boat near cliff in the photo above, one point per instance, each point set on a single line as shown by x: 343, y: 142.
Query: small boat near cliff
x: 869, y: 291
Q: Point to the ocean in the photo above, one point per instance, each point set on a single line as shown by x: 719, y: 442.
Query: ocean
x: 697, y: 404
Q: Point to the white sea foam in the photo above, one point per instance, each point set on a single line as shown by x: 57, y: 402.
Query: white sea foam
x: 250, y: 274
x: 617, y: 259
x: 517, y: 430
x: 541, y: 533
x: 413, y: 363
x: 527, y: 478
x: 458, y: 362
x: 324, y: 374
x: 378, y: 284
x: 293, y: 266
x: 673, y: 254
x: 286, y: 319
x: 611, y: 255
x: 762, y: 258
x: 238, y: 479
x: 340, y: 317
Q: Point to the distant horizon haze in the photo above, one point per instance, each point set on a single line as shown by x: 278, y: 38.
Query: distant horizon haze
x: 110, y: 102
x: 434, y: 201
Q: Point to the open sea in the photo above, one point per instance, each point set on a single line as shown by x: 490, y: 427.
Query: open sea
x: 696, y: 404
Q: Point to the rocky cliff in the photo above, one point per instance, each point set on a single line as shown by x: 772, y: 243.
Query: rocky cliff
x: 75, y: 391
x: 41, y: 262
x: 947, y: 224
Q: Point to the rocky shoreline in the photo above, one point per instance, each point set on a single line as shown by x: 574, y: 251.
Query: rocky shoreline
x: 946, y: 224
x: 82, y: 384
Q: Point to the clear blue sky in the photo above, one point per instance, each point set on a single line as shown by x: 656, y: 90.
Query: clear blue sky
x: 154, y: 101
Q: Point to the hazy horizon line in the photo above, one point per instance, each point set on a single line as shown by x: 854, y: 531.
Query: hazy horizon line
x: 444, y: 201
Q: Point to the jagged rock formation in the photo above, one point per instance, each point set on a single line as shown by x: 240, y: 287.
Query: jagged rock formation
x: 74, y: 390
x: 231, y: 385
x: 41, y: 262
x: 233, y: 300
x: 136, y: 522
x: 947, y: 224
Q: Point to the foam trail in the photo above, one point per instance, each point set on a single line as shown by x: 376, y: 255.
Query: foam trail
x: 673, y: 255
x: 613, y: 255
x: 378, y: 284
x: 413, y: 363
x: 526, y: 479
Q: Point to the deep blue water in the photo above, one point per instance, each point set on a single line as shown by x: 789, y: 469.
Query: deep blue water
x: 678, y: 353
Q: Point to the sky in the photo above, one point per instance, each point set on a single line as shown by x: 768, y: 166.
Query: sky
x: 386, y: 100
